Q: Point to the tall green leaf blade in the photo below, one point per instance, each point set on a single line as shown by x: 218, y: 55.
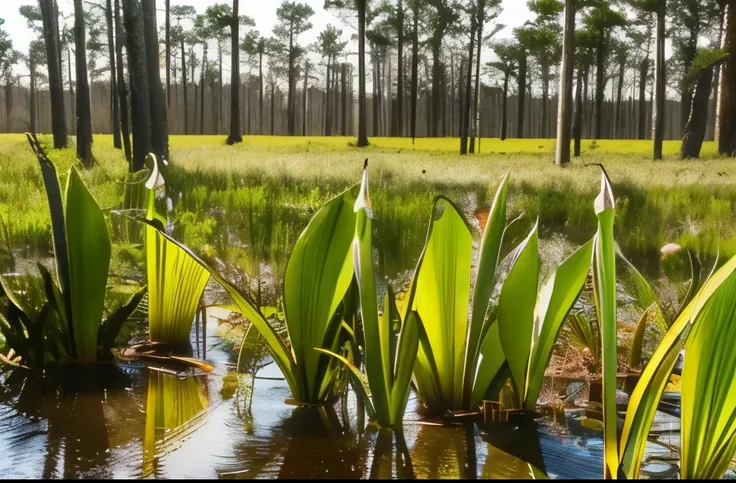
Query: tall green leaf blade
x: 441, y: 298
x: 490, y: 362
x: 318, y: 274
x: 645, y: 294
x: 375, y: 330
x: 516, y: 310
x: 655, y: 376
x: 89, y: 247
x: 406, y: 356
x: 709, y: 388
x: 490, y: 248
x: 652, y: 313
x: 604, y: 290
x: 555, y: 301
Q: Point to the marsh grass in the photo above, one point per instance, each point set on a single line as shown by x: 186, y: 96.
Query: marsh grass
x: 247, y: 204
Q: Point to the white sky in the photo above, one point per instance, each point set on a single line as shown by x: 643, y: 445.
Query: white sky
x: 263, y: 12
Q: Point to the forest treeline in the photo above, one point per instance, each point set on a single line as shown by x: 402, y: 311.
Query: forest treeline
x: 580, y: 68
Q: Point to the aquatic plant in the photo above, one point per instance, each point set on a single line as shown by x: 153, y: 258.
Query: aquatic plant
x: 176, y: 282
x: 604, y: 290
x: 529, y: 322
x: 456, y: 362
x: 706, y: 326
x: 390, y: 346
x: 82, y: 250
x: 318, y: 275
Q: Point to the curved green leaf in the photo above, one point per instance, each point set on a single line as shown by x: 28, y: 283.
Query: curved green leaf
x: 490, y: 362
x: 555, y: 301
x: 318, y: 274
x: 490, y: 248
x: 89, y: 246
x: 516, y: 310
x: 648, y: 391
x: 441, y: 299
x: 709, y: 389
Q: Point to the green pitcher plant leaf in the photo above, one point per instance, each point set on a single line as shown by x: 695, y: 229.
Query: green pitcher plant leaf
x: 709, y: 389
x: 490, y: 249
x: 441, y: 299
x: 388, y: 365
x: 89, y: 246
x: 516, y: 311
x: 655, y: 376
x: 604, y: 290
x: 318, y: 275
x: 176, y: 281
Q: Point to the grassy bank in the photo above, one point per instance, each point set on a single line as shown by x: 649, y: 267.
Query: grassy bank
x: 247, y: 204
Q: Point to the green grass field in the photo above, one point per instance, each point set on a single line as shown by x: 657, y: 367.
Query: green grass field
x: 249, y: 202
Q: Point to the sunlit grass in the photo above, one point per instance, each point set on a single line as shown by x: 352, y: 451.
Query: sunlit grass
x: 224, y: 196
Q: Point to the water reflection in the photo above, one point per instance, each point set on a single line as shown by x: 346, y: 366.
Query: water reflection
x: 445, y: 452
x: 514, y: 452
x: 391, y: 461
x: 309, y: 443
x: 174, y: 407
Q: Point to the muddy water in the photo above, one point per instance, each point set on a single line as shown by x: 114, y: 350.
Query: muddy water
x: 138, y: 422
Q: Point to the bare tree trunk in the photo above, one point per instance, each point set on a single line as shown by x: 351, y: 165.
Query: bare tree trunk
x: 260, y: 91
x: 414, y: 73
x: 120, y: 84
x: 465, y: 117
x: 53, y: 58
x: 400, y: 80
x: 167, y: 7
x: 522, y: 98
x: 72, y: 99
x: 236, y: 135
x: 564, y: 112
x: 184, y: 85
x: 33, y: 126
x: 304, y: 101
x: 202, y: 88
x: 476, y: 98
x: 661, y: 86
x: 116, y: 141
x: 139, y: 96
x: 159, y: 118
x: 619, y: 98
x: 84, y: 110
x: 642, y: 115
x: 578, y: 127
x: 504, y: 108
x: 362, y: 129
x: 727, y: 95
x: 694, y: 136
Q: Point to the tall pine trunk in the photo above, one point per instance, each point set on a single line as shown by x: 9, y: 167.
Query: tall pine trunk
x: 260, y: 89
x: 727, y: 95
x: 167, y: 30
x: 521, y: 111
x: 578, y: 125
x: 641, y: 127
x: 600, y: 84
x: 184, y: 85
x: 476, y: 97
x: 504, y: 108
x: 53, y: 60
x: 414, y: 72
x: 235, y: 131
x: 84, y: 110
x: 567, y: 71
x: 114, y: 104
x: 465, y: 116
x: 122, y: 93
x: 661, y: 85
x: 139, y: 95
x: 159, y: 121
x: 362, y: 128
x: 400, y: 80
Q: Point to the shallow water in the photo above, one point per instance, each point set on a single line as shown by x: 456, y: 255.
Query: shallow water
x: 148, y: 423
